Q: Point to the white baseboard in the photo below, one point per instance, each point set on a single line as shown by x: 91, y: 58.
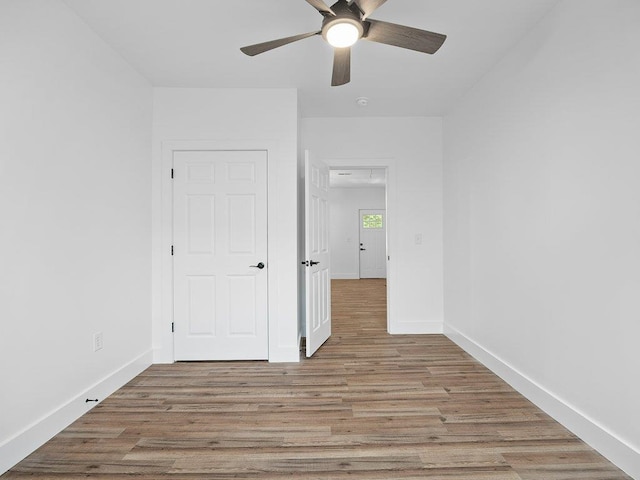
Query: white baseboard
x: 415, y: 328
x: 598, y: 437
x: 26, y: 442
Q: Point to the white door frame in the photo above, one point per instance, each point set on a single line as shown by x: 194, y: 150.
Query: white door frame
x: 165, y: 337
x: 389, y: 164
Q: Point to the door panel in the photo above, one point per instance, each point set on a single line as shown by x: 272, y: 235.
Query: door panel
x: 201, y: 309
x: 200, y: 221
x: 242, y: 308
x: 219, y: 233
x: 318, y: 279
x: 242, y: 221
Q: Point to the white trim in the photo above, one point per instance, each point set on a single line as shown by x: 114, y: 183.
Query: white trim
x: 390, y: 203
x: 597, y: 436
x: 164, y: 353
x: 42, y: 430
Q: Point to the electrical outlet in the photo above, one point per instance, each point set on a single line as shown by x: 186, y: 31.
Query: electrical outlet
x: 97, y: 341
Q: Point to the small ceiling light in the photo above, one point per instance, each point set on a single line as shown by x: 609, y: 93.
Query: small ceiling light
x: 342, y: 35
x: 362, y: 101
x: 342, y: 31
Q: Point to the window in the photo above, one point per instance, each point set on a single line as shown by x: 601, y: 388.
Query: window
x: 372, y: 221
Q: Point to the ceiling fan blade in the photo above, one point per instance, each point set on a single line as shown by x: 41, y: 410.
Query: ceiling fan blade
x: 321, y: 7
x: 404, y: 37
x: 341, y: 66
x: 367, y: 7
x: 252, y: 50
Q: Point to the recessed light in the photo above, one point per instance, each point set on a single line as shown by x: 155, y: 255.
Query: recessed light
x: 362, y: 101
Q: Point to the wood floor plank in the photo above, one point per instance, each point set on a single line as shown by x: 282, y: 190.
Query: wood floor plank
x: 367, y: 406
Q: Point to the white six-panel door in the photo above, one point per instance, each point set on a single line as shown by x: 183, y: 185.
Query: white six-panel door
x: 317, y: 278
x: 219, y: 242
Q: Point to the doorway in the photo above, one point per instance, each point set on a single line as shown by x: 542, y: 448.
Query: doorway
x: 359, y: 190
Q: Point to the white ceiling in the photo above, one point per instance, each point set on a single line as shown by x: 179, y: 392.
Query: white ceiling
x: 195, y: 43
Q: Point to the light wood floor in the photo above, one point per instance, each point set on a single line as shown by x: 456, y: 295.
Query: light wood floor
x: 368, y: 406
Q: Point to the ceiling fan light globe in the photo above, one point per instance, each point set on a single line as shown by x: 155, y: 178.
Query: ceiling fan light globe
x: 343, y: 34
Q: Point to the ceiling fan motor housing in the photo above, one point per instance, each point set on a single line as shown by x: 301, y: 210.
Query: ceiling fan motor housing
x: 344, y: 13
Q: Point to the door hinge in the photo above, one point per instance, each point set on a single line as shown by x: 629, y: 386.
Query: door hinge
x: 172, y: 327
x: 171, y: 249
x: 172, y: 173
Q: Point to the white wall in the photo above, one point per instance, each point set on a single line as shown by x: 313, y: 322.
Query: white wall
x: 232, y: 118
x: 75, y: 145
x: 413, y: 149
x: 542, y: 221
x: 344, y: 207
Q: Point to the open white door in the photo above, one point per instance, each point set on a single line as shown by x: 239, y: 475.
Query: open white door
x: 317, y: 278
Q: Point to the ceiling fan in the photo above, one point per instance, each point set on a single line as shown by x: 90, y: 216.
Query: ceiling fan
x: 346, y: 22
